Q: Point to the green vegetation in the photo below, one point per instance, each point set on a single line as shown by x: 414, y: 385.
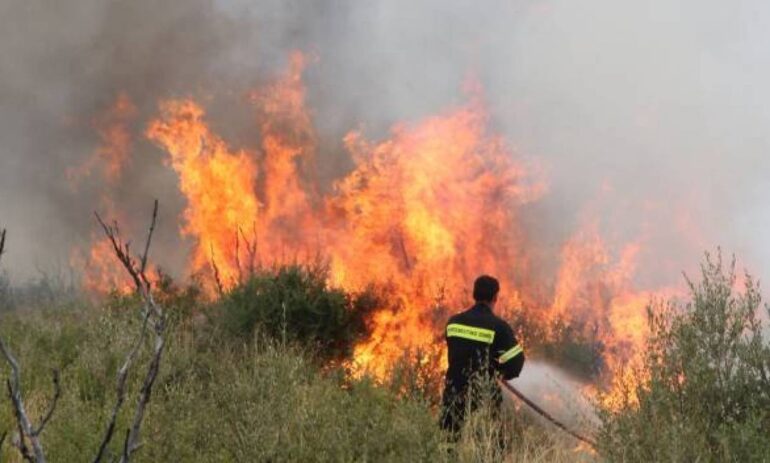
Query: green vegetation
x: 261, y: 393
x: 574, y: 347
x: 295, y: 304
x: 259, y: 375
x: 706, y: 393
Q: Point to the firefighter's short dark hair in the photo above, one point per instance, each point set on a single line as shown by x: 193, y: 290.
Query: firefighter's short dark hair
x: 485, y: 288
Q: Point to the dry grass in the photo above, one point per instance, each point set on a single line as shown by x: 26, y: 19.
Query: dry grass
x: 222, y: 399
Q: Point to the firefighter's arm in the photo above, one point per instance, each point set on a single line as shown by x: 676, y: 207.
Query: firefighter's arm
x: 510, y: 354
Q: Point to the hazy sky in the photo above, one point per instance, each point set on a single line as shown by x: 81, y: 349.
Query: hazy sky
x: 651, y: 116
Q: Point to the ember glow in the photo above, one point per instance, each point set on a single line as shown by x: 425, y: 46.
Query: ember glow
x: 420, y: 213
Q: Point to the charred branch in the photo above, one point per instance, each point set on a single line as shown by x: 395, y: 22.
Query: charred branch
x: 238, y: 256
x: 251, y: 248
x: 217, y: 276
x: 121, y: 389
x: 18, y: 440
x: 26, y: 430
x: 154, y: 220
x: 404, y: 254
x: 125, y: 455
x: 2, y: 441
x: 132, y: 438
x: 56, y: 394
x: 154, y: 318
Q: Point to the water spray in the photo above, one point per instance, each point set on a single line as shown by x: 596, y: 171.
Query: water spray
x: 510, y: 388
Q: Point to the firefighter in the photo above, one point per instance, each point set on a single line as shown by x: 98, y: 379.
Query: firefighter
x: 481, y: 346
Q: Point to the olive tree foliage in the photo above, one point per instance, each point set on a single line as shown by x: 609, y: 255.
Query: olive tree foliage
x: 703, y: 391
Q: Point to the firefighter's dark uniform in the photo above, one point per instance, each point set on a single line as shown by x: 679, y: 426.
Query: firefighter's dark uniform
x: 480, y: 344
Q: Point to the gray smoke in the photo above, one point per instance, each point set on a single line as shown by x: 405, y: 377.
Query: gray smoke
x: 650, y: 116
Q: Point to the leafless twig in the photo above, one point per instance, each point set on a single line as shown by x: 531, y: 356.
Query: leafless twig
x: 155, y: 318
x: 217, y: 276
x: 19, y: 441
x: 25, y: 428
x: 238, y: 256
x: 251, y: 248
x: 121, y: 389
x: 2, y: 442
x: 149, y: 238
x: 404, y: 254
x: 125, y: 454
x: 56, y: 394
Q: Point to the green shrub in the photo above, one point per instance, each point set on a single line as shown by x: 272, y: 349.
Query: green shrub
x: 258, y: 400
x: 705, y: 393
x: 296, y: 304
x: 573, y: 346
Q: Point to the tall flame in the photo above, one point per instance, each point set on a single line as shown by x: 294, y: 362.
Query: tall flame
x: 420, y: 213
x: 218, y: 183
x: 426, y: 212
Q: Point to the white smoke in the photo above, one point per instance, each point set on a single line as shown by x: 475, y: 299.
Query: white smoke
x: 558, y: 394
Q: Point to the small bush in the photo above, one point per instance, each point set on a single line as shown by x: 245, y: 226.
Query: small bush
x: 705, y: 392
x: 574, y: 346
x: 296, y: 304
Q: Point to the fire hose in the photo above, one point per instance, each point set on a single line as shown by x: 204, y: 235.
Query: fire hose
x: 547, y: 415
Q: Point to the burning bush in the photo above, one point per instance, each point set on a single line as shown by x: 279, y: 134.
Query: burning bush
x: 705, y: 394
x: 295, y: 303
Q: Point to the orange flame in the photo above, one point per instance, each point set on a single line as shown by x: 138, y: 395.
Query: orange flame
x: 426, y: 212
x: 288, y: 144
x: 421, y: 213
x: 219, y: 184
x: 101, y: 272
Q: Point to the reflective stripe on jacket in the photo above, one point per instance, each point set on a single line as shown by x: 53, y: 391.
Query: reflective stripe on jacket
x: 478, y: 341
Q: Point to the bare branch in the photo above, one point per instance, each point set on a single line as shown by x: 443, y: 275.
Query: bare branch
x: 126, y: 455
x: 121, y: 389
x: 154, y: 315
x: 251, y: 248
x: 132, y: 442
x: 404, y: 254
x: 2, y: 243
x: 122, y: 250
x: 22, y: 419
x: 217, y: 275
x: 238, y: 256
x: 19, y: 442
x: 2, y: 442
x: 149, y: 238
x: 56, y: 394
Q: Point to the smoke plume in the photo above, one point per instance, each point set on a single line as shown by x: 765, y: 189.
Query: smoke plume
x: 649, y: 118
